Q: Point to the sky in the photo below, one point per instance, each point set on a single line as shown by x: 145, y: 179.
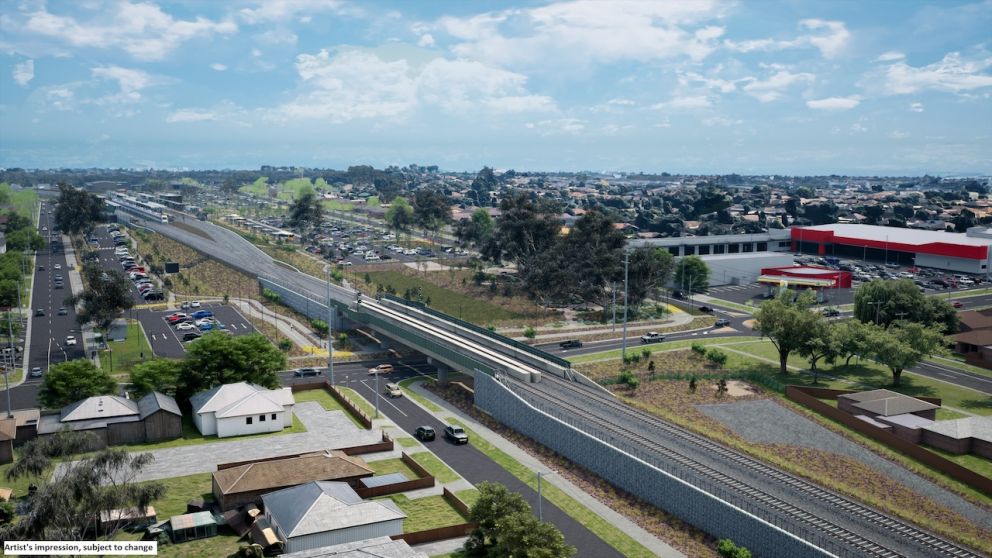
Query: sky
x: 881, y: 87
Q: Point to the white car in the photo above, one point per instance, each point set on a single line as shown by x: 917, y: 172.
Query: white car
x: 70, y: 340
x: 195, y: 304
x: 57, y: 266
x: 204, y: 321
x: 185, y: 326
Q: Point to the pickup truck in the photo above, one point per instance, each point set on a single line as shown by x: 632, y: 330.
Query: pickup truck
x: 652, y: 337
x: 570, y: 344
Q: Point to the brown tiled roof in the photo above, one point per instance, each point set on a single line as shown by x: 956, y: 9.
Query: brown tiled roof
x: 290, y: 472
x: 978, y: 337
x: 975, y: 319
x: 8, y: 429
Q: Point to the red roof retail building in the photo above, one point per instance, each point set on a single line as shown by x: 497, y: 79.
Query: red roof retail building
x: 806, y: 276
x: 962, y: 252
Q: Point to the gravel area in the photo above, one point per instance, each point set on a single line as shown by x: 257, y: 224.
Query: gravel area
x: 764, y: 421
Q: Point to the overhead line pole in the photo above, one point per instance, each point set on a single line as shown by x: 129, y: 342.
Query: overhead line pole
x: 626, y: 268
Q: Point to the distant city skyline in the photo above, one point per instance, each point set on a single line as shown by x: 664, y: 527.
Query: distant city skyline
x: 709, y: 87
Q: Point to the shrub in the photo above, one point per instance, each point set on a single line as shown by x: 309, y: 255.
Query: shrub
x: 285, y: 345
x: 692, y: 384
x: 491, y: 327
x: 625, y: 377
x: 645, y: 354
x: 716, y: 356
x: 633, y: 382
x: 530, y: 332
x: 699, y: 348
x: 727, y: 549
x: 320, y: 326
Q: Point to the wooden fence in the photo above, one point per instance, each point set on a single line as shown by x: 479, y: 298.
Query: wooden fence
x: 810, y: 397
x: 424, y: 480
x: 338, y: 396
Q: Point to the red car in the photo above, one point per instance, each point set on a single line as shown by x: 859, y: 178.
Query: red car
x: 173, y: 318
x: 957, y: 304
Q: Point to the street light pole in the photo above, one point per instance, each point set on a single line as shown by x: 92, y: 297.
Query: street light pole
x: 376, y: 394
x: 626, y: 268
x: 330, y: 336
x: 540, y: 511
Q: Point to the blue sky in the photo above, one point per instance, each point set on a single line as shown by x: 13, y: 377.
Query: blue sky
x: 698, y: 86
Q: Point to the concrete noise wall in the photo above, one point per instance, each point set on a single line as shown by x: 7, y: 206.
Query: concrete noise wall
x: 693, y: 505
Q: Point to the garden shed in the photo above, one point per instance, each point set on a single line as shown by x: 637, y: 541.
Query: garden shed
x: 192, y: 526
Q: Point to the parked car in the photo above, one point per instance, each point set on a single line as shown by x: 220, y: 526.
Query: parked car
x: 202, y: 314
x: 424, y: 433
x: 176, y: 316
x: 185, y: 326
x: 393, y: 390
x: 70, y: 340
x: 456, y: 434
x: 306, y: 372
x: 184, y: 305
x: 195, y: 304
x: 652, y: 337
x: 570, y: 344
x: 722, y: 322
x: 957, y: 304
x: 831, y: 312
x: 191, y: 335
x: 706, y: 309
x: 381, y: 369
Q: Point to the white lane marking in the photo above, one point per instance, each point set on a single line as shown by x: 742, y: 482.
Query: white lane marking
x: 388, y: 402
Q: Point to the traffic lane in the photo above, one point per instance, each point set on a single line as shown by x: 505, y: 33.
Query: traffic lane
x: 355, y: 371
x: 634, y: 341
x: 954, y: 376
x: 476, y: 467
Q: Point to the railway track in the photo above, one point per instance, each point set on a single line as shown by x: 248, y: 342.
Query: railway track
x: 846, y: 541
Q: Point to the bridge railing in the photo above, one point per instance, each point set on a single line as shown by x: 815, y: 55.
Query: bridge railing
x: 482, y: 331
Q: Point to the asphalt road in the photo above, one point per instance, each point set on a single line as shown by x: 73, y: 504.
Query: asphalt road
x: 469, y: 462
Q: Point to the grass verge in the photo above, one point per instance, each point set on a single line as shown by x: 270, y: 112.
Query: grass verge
x: 123, y: 355
x: 405, y: 385
x: 437, y: 468
x: 430, y: 512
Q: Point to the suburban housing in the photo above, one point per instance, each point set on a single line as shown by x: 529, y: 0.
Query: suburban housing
x: 116, y: 420
x: 242, y: 408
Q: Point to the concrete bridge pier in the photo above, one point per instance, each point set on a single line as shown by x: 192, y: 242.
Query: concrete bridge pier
x: 442, y: 370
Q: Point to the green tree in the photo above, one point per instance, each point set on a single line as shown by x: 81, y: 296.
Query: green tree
x: 478, y: 230
x: 217, y: 359
x: 822, y: 343
x: 495, y: 502
x: 431, y: 209
x: 522, y: 534
x: 884, y: 302
x: 649, y: 269
x: 158, y: 374
x: 484, y: 183
x: 24, y: 240
x: 70, y: 381
x: 525, y: 229
x: 904, y: 345
x: 69, y: 507
x: 107, y: 294
x: 78, y: 211
x: 399, y: 216
x: 691, y: 274
x: 852, y: 339
x: 788, y: 324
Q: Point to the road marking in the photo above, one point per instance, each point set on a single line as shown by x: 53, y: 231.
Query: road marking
x: 390, y: 403
x: 946, y: 375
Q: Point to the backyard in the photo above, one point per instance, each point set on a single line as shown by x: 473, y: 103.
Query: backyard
x: 429, y: 512
x: 120, y: 356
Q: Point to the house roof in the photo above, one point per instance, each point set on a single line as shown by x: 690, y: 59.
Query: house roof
x: 316, y: 507
x: 99, y: 407
x: 907, y: 421
x: 8, y: 429
x: 289, y: 472
x: 225, y: 399
x: 895, y: 404
x: 156, y: 401
x: 975, y: 319
x: 979, y: 428
x: 978, y: 337
x: 379, y: 547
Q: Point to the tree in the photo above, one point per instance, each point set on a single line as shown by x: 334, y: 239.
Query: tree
x: 158, y: 374
x: 788, y: 324
x: 478, y: 230
x: 431, y: 209
x: 495, y: 502
x: 230, y: 186
x: 107, y: 294
x: 24, y: 239
x: 217, y: 359
x: 691, y: 273
x: 399, y: 216
x: 522, y: 534
x: 903, y: 345
x: 884, y: 302
x: 649, y: 269
x: 484, y: 183
x: 69, y: 506
x: 78, y: 211
x: 70, y: 381
x: 823, y: 342
x: 852, y: 340
x: 306, y: 213
x: 525, y: 229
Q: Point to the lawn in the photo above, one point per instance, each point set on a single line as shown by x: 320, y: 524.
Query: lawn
x: 430, y: 512
x: 600, y: 527
x: 326, y: 401
x: 191, y: 436
x: 359, y: 401
x: 407, y: 442
x: 976, y: 463
x: 387, y: 466
x: 122, y: 355
x: 258, y: 188
x: 469, y: 496
x: 634, y: 345
x: 338, y: 205
x: 405, y: 384
x: 437, y: 468
x: 482, y: 307
x: 874, y: 375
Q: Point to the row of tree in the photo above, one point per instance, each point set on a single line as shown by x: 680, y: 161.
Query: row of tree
x: 793, y: 326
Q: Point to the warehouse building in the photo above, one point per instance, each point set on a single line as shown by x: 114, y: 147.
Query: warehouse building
x: 957, y: 252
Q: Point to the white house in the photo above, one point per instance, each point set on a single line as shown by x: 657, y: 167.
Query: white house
x: 319, y: 514
x: 242, y: 408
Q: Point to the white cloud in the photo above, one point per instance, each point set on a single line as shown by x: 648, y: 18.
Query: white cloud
x: 691, y: 102
x: 916, y: 107
x: 218, y: 67
x: 129, y: 80
x: 571, y: 126
x: 772, y: 89
x: 60, y: 98
x: 426, y: 40
x: 24, y: 72
x: 142, y: 30
x: 720, y: 121
x: 830, y: 43
x: 353, y: 84
x: 715, y: 83
x: 899, y: 134
x: 952, y: 74
x: 621, y: 102
x: 834, y: 103
x: 890, y: 56
x: 582, y: 32
x: 280, y: 36
x: 282, y: 10
x: 190, y: 115
x: 858, y: 128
